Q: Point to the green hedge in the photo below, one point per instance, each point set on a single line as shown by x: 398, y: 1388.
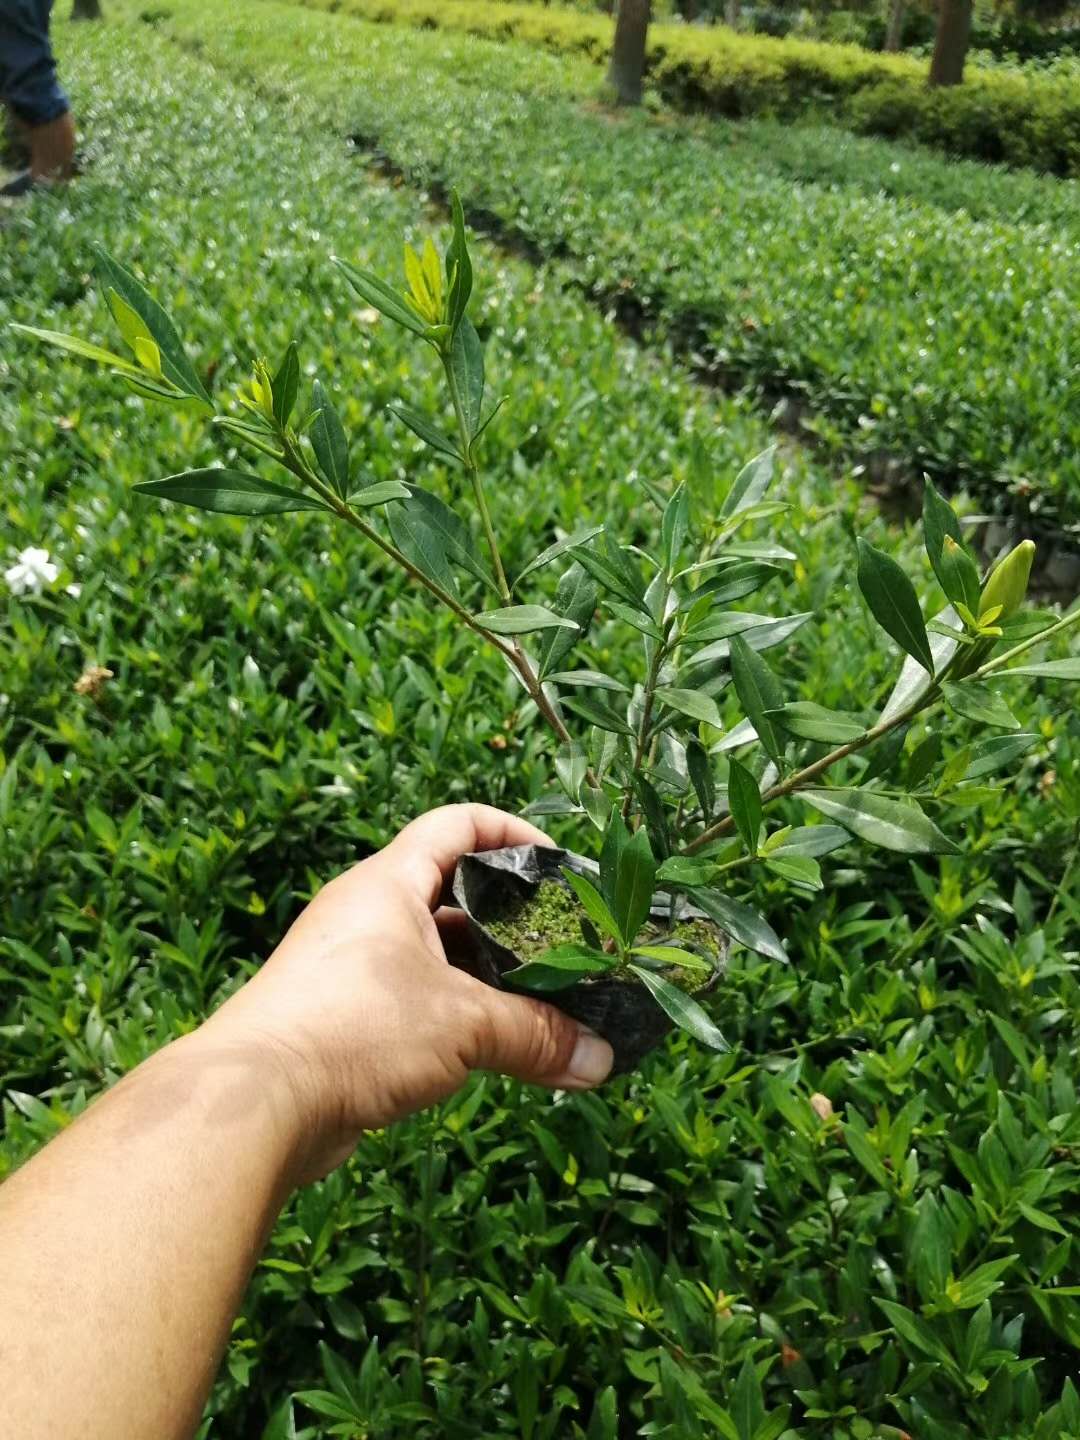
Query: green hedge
x: 994, y: 115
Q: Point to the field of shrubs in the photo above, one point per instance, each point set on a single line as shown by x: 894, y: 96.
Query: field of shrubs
x: 860, y: 1221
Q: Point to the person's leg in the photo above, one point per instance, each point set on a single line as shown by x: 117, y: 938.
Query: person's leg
x: 32, y: 89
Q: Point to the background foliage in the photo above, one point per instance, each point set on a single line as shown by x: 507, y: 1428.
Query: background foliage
x: 860, y: 1221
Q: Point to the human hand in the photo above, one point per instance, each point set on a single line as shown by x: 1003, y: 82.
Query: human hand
x: 370, y: 1022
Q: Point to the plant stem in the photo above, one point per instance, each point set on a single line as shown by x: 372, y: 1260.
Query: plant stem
x: 1065, y: 623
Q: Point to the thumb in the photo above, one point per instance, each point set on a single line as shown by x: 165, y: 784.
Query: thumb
x: 539, y: 1044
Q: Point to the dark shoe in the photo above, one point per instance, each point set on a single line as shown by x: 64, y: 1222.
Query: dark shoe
x: 20, y: 186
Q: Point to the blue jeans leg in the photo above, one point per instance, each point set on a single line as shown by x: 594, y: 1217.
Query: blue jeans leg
x: 28, y: 79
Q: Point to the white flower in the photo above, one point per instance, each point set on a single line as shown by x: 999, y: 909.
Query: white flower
x: 339, y: 787
x: 31, y: 572
x: 895, y: 167
x: 236, y: 707
x: 250, y: 669
x: 74, y: 590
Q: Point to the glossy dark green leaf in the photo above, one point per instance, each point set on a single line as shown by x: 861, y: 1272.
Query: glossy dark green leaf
x: 976, y: 701
x: 757, y: 638
x: 588, y: 680
x: 454, y: 533
x: 797, y: 869
x: 939, y: 520
x: 635, y: 882
x: 286, y: 385
x: 231, y: 492
x: 608, y: 564
x: 426, y: 431
x: 738, y: 580
x: 381, y: 493
x: 693, y: 703
x: 575, y: 599
x: 681, y: 1008
x: 522, y: 620
x: 594, y: 904
x: 674, y: 527
x: 759, y: 693
x: 959, y: 575
x: 892, y: 824
x: 683, y: 871
x: 329, y: 442
x: 560, y: 547
x: 812, y: 840
x: 174, y: 359
x: 741, y: 923
x: 893, y: 603
x: 1000, y: 750
x: 423, y: 543
x: 700, y: 771
x: 558, y: 969
x: 813, y: 722
x: 744, y: 802
x: 466, y: 367
x: 380, y: 295
x: 1068, y: 669
x: 597, y: 712
x: 459, y: 273
x: 750, y: 484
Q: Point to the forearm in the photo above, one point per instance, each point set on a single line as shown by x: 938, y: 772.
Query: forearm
x: 126, y: 1244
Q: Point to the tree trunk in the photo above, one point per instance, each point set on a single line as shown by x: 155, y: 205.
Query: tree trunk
x: 951, y: 44
x: 731, y: 13
x: 86, y: 10
x: 628, y: 52
x: 894, y: 32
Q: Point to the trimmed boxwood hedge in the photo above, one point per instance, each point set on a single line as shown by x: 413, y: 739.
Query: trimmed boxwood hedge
x: 995, y: 115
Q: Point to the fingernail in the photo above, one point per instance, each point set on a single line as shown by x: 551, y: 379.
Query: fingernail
x: 592, y: 1059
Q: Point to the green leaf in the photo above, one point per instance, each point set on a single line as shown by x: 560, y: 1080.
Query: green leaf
x: 430, y: 434
x: 282, y: 1423
x: 673, y: 527
x: 673, y: 955
x: 230, y: 492
x: 939, y: 521
x: 558, y: 969
x: 763, y: 636
x: 697, y: 764
x: 959, y: 575
x: 750, y: 484
x: 737, y: 581
x: 323, y: 1402
x: 599, y: 713
x: 747, y: 1402
x: 329, y: 442
x: 575, y: 599
x: 990, y: 755
x: 892, y: 824
x: 286, y: 385
x: 741, y: 923
x: 910, y: 1328
x: 812, y: 840
x: 422, y: 542
x: 679, y: 1007
x: 75, y: 346
x: 174, y: 360
x: 453, y: 531
x: 380, y: 493
x: 893, y: 603
x: 1068, y: 669
x: 692, y: 703
x: 466, y: 368
x: 976, y: 701
x: 799, y: 869
x: 379, y: 295
x: 813, y: 722
x: 560, y: 547
x: 744, y: 801
x: 522, y: 620
x: 613, y: 569
x: 459, y: 274
x: 616, y: 839
x: 759, y: 692
x: 593, y: 903
x: 680, y: 870
x: 588, y: 680
x: 635, y: 883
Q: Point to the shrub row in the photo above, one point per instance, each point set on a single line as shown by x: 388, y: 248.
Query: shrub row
x: 994, y: 115
x: 906, y: 329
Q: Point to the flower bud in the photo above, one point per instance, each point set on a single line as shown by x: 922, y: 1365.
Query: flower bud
x: 1008, y: 581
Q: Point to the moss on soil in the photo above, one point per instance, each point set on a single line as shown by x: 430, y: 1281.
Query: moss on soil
x: 552, y: 916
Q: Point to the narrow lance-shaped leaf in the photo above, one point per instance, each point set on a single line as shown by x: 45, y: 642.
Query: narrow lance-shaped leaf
x: 522, y: 620
x: 892, y: 824
x: 329, y: 442
x: 230, y: 492
x: 691, y: 703
x: 174, y: 359
x: 422, y: 544
x: 697, y: 764
x: 1068, y: 669
x: 939, y: 520
x: 466, y: 367
x: 616, y: 839
x: 634, y: 885
x: 744, y: 802
x: 379, y: 295
x: 575, y: 599
x: 453, y: 532
x: 741, y: 923
x: 286, y: 385
x: 593, y: 903
x: 893, y: 603
x: 426, y: 431
x: 681, y: 1008
x: 759, y: 692
x: 813, y: 722
x: 558, y: 969
x: 560, y: 547
x: 750, y: 484
x: 459, y: 273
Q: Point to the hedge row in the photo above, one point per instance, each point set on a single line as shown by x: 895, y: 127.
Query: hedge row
x: 994, y: 115
x: 904, y: 328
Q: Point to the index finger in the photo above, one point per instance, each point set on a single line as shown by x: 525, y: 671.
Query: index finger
x: 428, y: 849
